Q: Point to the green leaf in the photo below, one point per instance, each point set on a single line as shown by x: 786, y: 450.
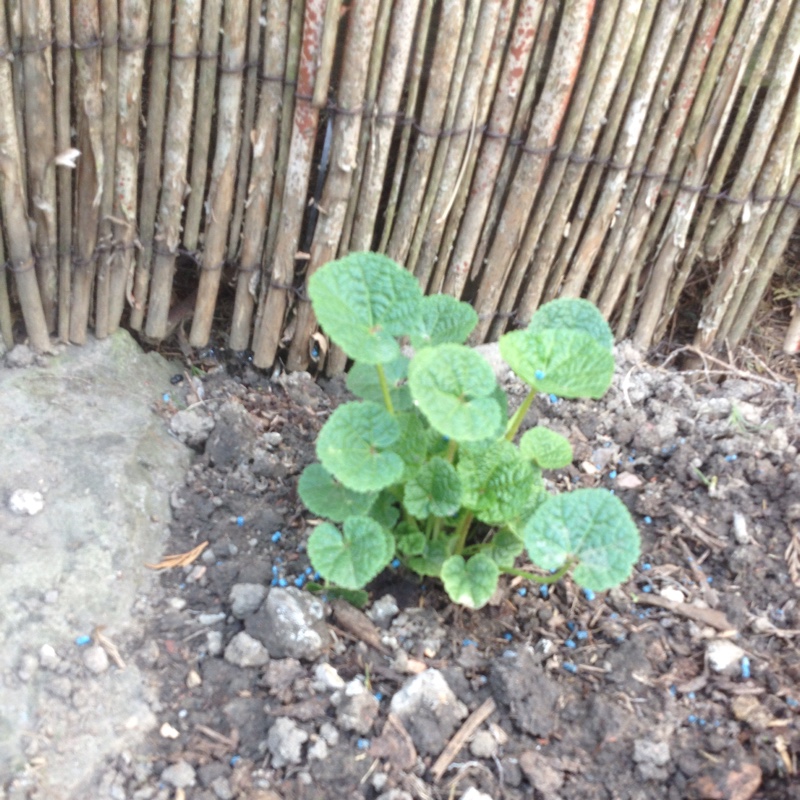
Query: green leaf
x: 351, y: 558
x: 356, y: 597
x: 547, y: 449
x: 412, y: 445
x: 454, y: 388
x: 411, y: 540
x: 385, y: 511
x: 324, y: 496
x: 363, y: 381
x: 472, y: 582
x: 497, y: 480
x: 591, y: 525
x: 565, y: 351
x: 430, y: 562
x: 354, y: 446
x: 434, y: 491
x: 363, y: 301
x: 504, y: 548
x: 444, y: 319
x: 539, y: 496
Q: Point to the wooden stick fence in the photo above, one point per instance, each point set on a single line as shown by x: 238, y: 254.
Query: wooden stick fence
x: 506, y: 151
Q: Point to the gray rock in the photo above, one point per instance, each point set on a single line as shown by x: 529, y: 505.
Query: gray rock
x: 330, y: 733
x: 285, y: 742
x: 221, y: 787
x: 181, y: 775
x: 48, y: 658
x: 429, y: 709
x: 245, y: 651
x: 214, y: 643
x: 327, y: 679
x: 245, y: 598
x: 291, y: 624
x: 233, y: 437
x: 192, y: 426
x: 383, y: 611
x: 396, y: 794
x: 358, y: 708
x: 541, y: 773
x: 483, y: 745
x: 651, y: 759
x: 20, y: 356
x: 95, y: 659
x: 473, y: 794
x: 318, y: 751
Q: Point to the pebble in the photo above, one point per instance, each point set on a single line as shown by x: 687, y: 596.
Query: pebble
x: 167, y: 731
x: 24, y: 501
x: 723, y: 655
x: 358, y: 708
x: 245, y: 651
x: 383, y: 611
x: 246, y: 598
x: 327, y: 678
x: 192, y: 426
x: 176, y: 603
x: 473, y: 794
x: 48, y: 658
x: 211, y: 619
x: 740, y: 532
x: 673, y: 594
x: 95, y: 659
x: 180, y: 775
x: 330, y: 733
x: 483, y: 745
x: 318, y: 751
x: 285, y: 742
x: 221, y: 787
x: 214, y: 643
x: 193, y: 679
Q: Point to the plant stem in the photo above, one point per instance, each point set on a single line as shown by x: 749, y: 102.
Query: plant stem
x: 461, y: 531
x: 387, y: 398
x: 452, y: 446
x: 519, y: 415
x: 554, y: 578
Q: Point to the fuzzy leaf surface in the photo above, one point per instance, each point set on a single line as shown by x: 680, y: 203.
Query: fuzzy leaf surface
x: 363, y: 382
x: 350, y: 558
x: 443, y: 319
x: 354, y: 446
x: 411, y: 540
x: 324, y: 496
x: 434, y: 491
x: 454, y: 388
x: 430, y: 561
x: 384, y: 510
x: 566, y: 350
x: 591, y: 525
x: 470, y: 583
x: 547, y: 449
x: 363, y: 301
x: 504, y: 548
x: 412, y: 445
x: 497, y: 480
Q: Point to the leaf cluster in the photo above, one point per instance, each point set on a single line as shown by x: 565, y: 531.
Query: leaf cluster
x: 424, y: 468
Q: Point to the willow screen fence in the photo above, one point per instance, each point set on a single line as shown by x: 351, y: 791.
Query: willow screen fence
x: 505, y: 151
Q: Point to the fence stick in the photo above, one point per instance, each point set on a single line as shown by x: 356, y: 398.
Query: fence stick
x: 430, y: 122
x: 449, y: 166
x: 248, y: 115
x: 6, y: 325
x: 264, y: 141
x: 109, y: 21
x: 467, y: 169
x: 545, y: 126
x: 14, y: 32
x: 156, y: 110
x: 91, y: 164
x: 201, y: 135
x: 494, y: 145
x: 12, y: 208
x: 134, y: 19
x: 176, y: 156
x: 344, y: 148
x: 40, y: 147
x: 681, y: 215
x: 223, y: 173
x: 593, y: 61
x: 269, y: 324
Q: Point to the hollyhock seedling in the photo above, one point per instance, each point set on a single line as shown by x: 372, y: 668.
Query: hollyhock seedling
x: 425, y: 466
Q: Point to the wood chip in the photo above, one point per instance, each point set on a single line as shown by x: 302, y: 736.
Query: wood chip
x: 471, y: 724
x: 395, y: 745
x: 706, y: 616
x: 358, y: 624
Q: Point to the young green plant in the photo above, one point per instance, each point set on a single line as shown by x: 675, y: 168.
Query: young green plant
x: 424, y: 466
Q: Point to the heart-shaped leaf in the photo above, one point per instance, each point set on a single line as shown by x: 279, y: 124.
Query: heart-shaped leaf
x: 454, y: 388
x: 430, y: 562
x: 504, y: 548
x: 411, y: 540
x: 565, y: 351
x: 443, y: 319
x: 363, y: 301
x: 434, y: 491
x: 472, y: 582
x: 324, y: 496
x: 547, y: 449
x: 354, y: 446
x: 353, y: 557
x: 497, y: 480
x: 384, y: 510
x: 590, y: 525
x: 363, y: 382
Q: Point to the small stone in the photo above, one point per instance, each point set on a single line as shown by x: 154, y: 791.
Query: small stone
x: 740, y: 532
x: 95, y: 659
x: 214, y: 642
x: 723, y: 655
x: 326, y: 678
x: 191, y: 426
x: 48, y: 658
x: 651, y: 758
x: 245, y: 651
x: 193, y: 679
x: 429, y: 709
x: 167, y: 731
x: 221, y: 787
x: 318, y: 751
x: 285, y: 742
x: 473, y: 794
x: 395, y: 794
x: 542, y: 775
x: 330, y: 733
x: 383, y: 611
x: 211, y: 619
x: 51, y: 596
x: 673, y: 594
x: 176, y: 603
x: 28, y: 667
x: 290, y: 624
x: 246, y: 598
x: 180, y: 775
x: 20, y: 356
x: 24, y: 501
x: 483, y: 745
x: 358, y: 708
